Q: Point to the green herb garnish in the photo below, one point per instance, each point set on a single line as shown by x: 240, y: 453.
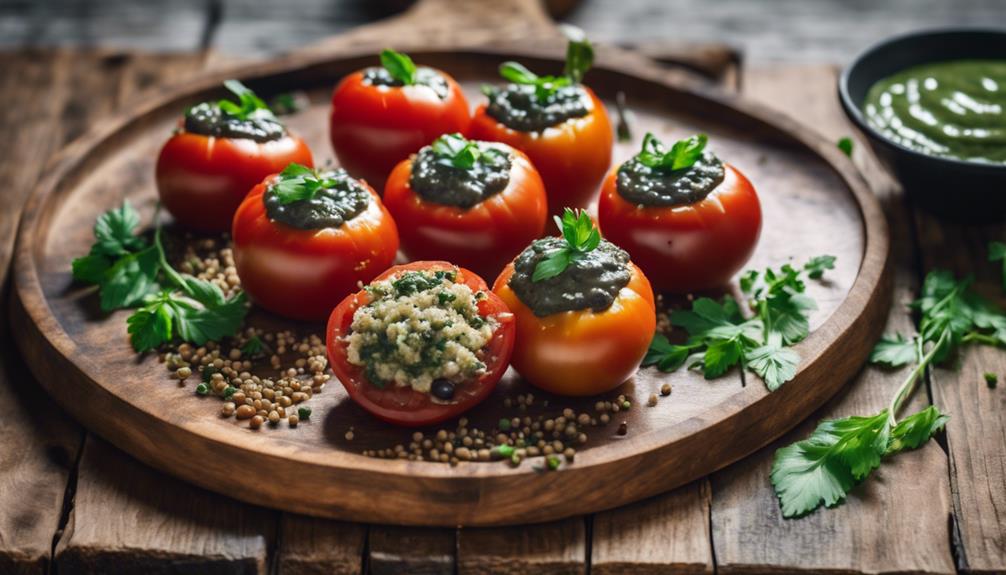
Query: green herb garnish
x: 129, y: 272
x: 991, y: 379
x: 202, y: 389
x: 579, y: 59
x: 298, y: 183
x: 721, y: 338
x: 553, y: 462
x: 253, y: 346
x: 682, y: 155
x: 845, y: 144
x: 457, y: 151
x: 997, y: 253
x: 304, y: 413
x: 248, y: 107
x: 581, y: 238
x: 841, y: 453
x: 400, y: 66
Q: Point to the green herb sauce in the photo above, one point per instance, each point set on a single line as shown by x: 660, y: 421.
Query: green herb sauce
x: 592, y: 279
x: 436, y: 179
x: 646, y: 186
x: 424, y: 76
x: 517, y: 106
x: 954, y: 109
x: 208, y: 120
x: 329, y: 208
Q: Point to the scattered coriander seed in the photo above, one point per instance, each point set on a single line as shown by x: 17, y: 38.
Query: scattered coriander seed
x: 623, y: 428
x: 665, y: 389
x: 202, y: 389
x: 293, y: 420
x: 652, y: 401
x: 569, y: 453
x: 256, y: 422
x: 626, y: 404
x: 183, y: 372
x: 349, y: 435
x: 245, y: 411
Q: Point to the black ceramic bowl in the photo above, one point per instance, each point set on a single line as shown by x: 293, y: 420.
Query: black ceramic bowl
x: 957, y: 189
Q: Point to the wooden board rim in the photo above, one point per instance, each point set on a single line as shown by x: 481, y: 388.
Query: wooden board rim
x: 43, y: 339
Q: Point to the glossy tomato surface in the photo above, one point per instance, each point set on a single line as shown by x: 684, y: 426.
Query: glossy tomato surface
x: 686, y: 248
x: 483, y: 237
x: 304, y: 274
x: 572, y: 157
x: 403, y: 405
x: 375, y: 127
x: 582, y: 352
x: 202, y: 180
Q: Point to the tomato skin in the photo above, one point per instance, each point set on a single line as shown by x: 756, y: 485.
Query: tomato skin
x: 404, y: 405
x: 303, y: 274
x: 482, y: 238
x: 686, y: 248
x: 375, y: 127
x: 572, y: 157
x: 583, y: 352
x: 202, y: 180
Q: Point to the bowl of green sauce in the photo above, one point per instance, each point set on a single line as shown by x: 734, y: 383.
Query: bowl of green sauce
x: 932, y: 106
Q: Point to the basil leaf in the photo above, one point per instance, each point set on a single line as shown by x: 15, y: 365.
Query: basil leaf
x: 552, y: 266
x: 579, y: 59
x: 516, y: 72
x: 400, y: 66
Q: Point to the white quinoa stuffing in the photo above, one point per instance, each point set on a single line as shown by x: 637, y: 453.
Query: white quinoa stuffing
x: 420, y: 327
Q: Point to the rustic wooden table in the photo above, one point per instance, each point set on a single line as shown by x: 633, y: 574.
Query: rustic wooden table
x: 71, y: 503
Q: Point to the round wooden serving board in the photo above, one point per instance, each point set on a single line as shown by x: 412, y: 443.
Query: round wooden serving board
x: 814, y: 203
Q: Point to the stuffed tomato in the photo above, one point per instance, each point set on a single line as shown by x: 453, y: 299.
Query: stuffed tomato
x: 381, y: 115
x: 688, y: 219
x: 218, y: 153
x: 585, y: 313
x: 476, y: 204
x: 558, y: 122
x: 304, y: 239
x: 422, y: 343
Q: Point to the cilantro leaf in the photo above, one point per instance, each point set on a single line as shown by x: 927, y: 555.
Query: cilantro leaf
x: 457, y: 151
x: 845, y: 144
x: 773, y: 363
x: 253, y: 346
x: 129, y: 280
x: 90, y: 268
x: 400, y: 66
x: 114, y: 232
x: 788, y: 315
x: 916, y: 429
x: 581, y: 237
x: 151, y: 326
x: 721, y: 355
x: 665, y: 355
x: 997, y: 252
x: 894, y: 351
x: 682, y: 155
x: 816, y: 266
x: 298, y: 183
x: 249, y: 106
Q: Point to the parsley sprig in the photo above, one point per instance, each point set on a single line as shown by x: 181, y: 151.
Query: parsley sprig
x: 457, y: 151
x: 720, y: 337
x: 131, y: 272
x: 248, y: 107
x: 581, y: 238
x: 399, y: 65
x: 579, y: 59
x: 682, y: 155
x: 297, y: 183
x: 841, y: 453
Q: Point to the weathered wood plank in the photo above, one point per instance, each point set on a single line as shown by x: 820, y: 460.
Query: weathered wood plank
x: 666, y: 534
x: 128, y: 518
x: 976, y: 433
x: 311, y: 546
x: 897, y: 520
x: 412, y: 550
x: 545, y: 549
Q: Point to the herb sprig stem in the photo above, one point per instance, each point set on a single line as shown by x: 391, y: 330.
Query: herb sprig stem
x: 908, y: 386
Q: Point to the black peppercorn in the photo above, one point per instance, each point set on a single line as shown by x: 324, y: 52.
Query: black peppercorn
x: 442, y: 389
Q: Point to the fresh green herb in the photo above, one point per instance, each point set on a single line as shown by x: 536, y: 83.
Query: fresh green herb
x: 202, y: 389
x: 288, y: 103
x: 504, y: 424
x: 253, y: 346
x: 503, y: 451
x: 841, y: 453
x: 400, y: 66
x: 845, y: 144
x: 229, y: 391
x: 720, y: 337
x: 579, y: 59
x: 208, y: 372
x: 457, y: 151
x: 248, y: 107
x: 997, y: 252
x: 298, y: 183
x: 553, y: 462
x: 991, y: 379
x: 304, y: 413
x: 623, y: 128
x: 682, y: 155
x: 581, y: 238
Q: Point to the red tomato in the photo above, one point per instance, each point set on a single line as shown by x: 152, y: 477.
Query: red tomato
x: 404, y: 405
x: 483, y: 237
x: 202, y: 179
x: 375, y: 127
x: 571, y: 157
x: 582, y: 352
x: 303, y: 274
x: 686, y: 248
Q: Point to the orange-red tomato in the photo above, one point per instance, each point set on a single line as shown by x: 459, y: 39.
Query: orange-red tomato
x: 483, y: 237
x: 582, y: 352
x: 572, y: 157
x: 686, y: 248
x: 375, y: 127
x: 203, y: 179
x: 303, y: 274
x: 403, y: 405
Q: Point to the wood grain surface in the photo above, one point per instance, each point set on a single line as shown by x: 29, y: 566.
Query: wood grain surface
x: 557, y: 548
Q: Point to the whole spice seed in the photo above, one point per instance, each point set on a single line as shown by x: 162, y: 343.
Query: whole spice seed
x: 665, y: 389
